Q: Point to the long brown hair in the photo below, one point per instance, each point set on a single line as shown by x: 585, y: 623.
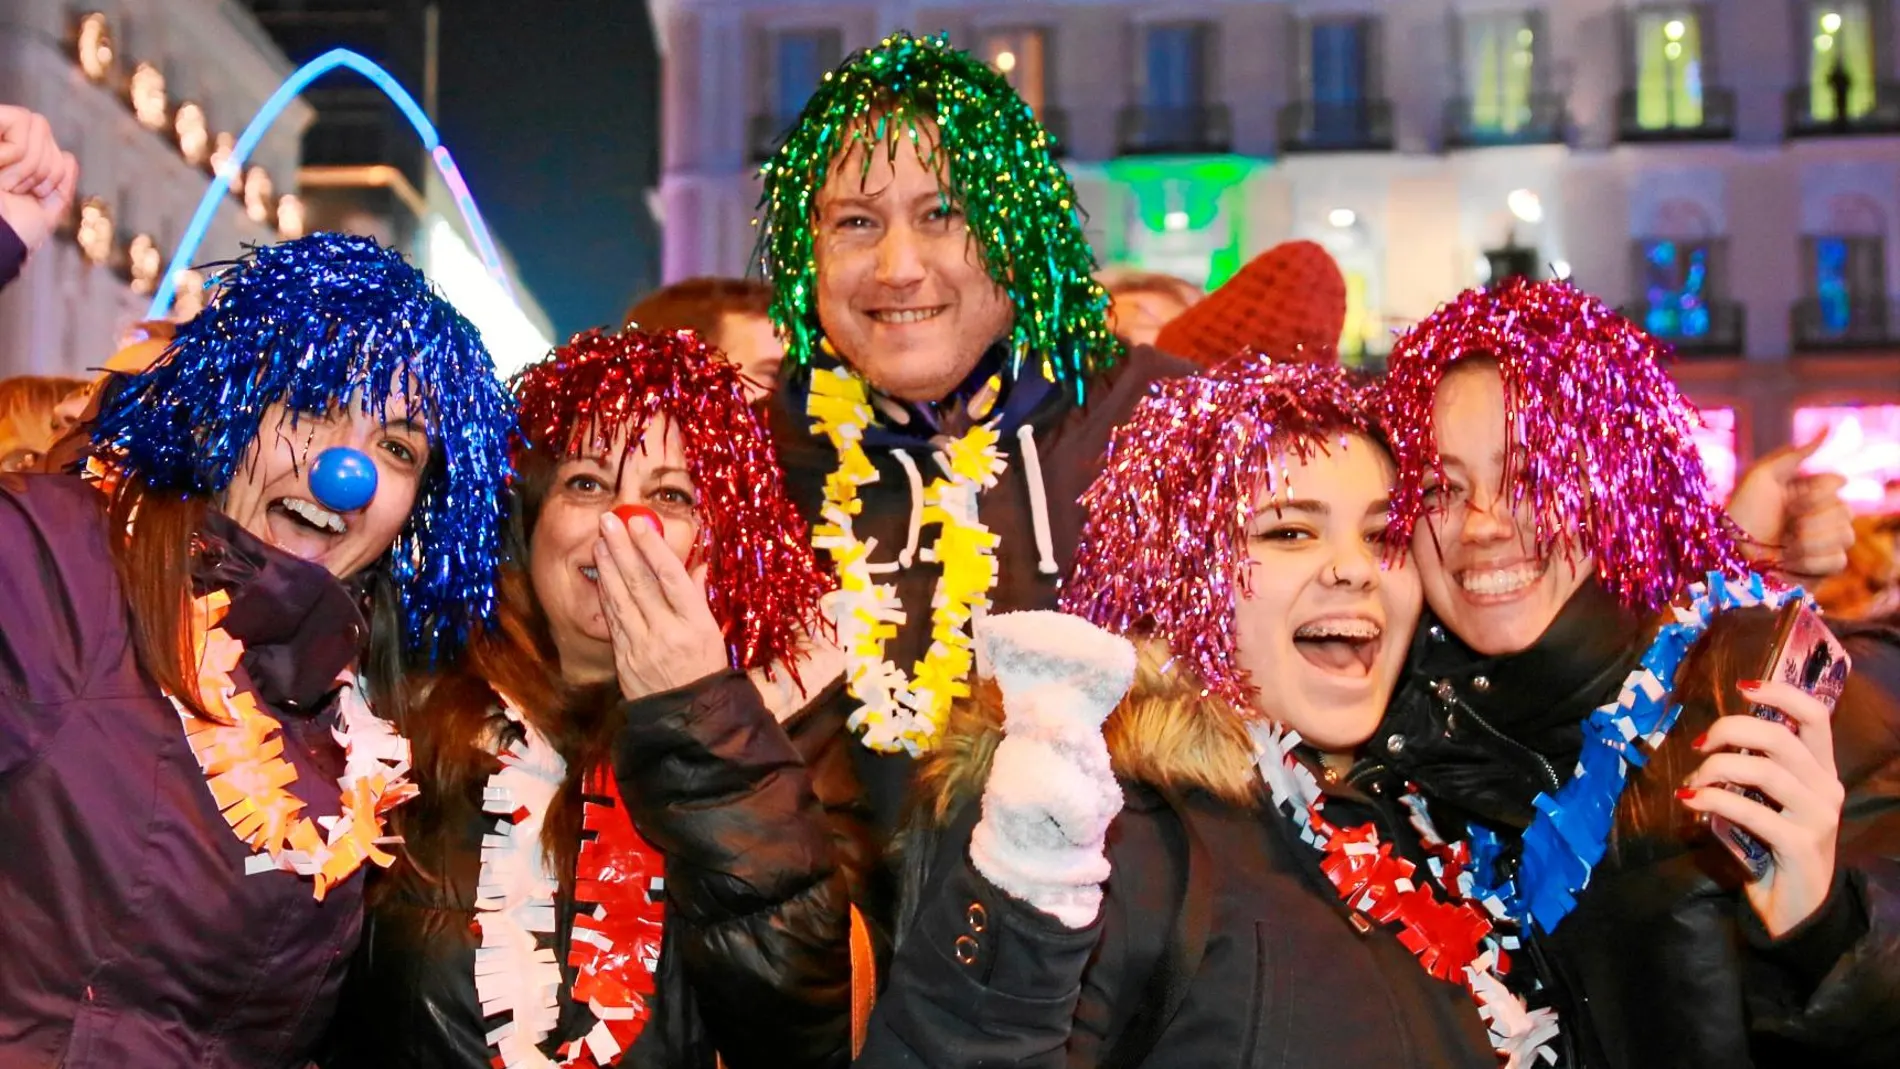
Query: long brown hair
x: 452, y: 717
x: 1705, y: 690
x: 154, y: 566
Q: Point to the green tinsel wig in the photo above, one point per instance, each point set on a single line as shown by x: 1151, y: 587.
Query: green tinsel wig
x: 995, y: 161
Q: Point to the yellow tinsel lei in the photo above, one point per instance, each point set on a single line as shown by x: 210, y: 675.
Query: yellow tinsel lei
x: 899, y: 713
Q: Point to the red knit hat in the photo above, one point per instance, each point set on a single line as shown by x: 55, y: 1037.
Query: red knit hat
x: 1288, y: 303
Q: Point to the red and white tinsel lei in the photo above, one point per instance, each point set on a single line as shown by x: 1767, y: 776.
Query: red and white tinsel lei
x: 620, y: 908
x: 1453, y: 940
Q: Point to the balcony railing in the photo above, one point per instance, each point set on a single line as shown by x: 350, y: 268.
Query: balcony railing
x: 1200, y: 129
x: 1808, y: 117
x: 1707, y: 116
x: 763, y: 133
x: 1541, y: 119
x: 1851, y: 321
x: 1324, y: 126
x: 1710, y: 328
x: 1056, y: 121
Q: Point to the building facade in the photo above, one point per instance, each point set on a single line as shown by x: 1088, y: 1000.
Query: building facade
x: 150, y: 96
x: 1727, y: 172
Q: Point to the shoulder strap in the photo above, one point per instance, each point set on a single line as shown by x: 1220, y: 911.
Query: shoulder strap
x: 1180, y: 959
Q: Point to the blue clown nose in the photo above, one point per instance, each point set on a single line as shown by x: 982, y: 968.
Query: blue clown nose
x: 343, y: 479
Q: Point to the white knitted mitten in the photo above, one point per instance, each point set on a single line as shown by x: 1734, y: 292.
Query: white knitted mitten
x: 1051, y: 794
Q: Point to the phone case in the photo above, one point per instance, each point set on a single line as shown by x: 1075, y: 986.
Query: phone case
x: 1807, y: 655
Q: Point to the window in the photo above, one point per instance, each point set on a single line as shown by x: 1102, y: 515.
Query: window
x: 1863, y: 444
x: 800, y: 59
x: 1501, y: 68
x: 1018, y: 54
x: 1847, y: 280
x: 1715, y: 441
x: 1840, y: 59
x: 1676, y: 288
x: 1174, y: 65
x: 1669, y: 69
x: 1338, y: 59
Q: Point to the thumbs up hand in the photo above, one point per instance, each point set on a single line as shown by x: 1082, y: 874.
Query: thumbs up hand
x: 1798, y: 522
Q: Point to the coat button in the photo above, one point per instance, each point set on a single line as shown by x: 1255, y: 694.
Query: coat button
x: 1395, y: 743
x: 966, y: 950
x: 1443, y: 689
x: 1437, y: 633
x: 979, y: 917
x: 1480, y: 684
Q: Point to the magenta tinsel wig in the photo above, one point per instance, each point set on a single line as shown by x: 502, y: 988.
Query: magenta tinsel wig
x: 1164, y: 551
x: 1608, y: 465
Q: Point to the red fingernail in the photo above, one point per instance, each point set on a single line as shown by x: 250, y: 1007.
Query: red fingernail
x: 1699, y: 740
x: 1685, y: 793
x: 1748, y: 686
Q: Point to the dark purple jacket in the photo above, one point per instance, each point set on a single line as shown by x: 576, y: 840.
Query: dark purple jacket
x: 12, y: 254
x: 129, y: 934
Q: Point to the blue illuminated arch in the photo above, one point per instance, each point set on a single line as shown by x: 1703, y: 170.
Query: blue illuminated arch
x: 261, y: 123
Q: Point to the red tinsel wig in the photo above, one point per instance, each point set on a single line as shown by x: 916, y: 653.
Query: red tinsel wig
x: 1164, y: 551
x: 1608, y: 464
x: 762, y: 581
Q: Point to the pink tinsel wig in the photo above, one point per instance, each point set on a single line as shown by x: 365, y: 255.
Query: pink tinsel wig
x: 1164, y: 551
x: 1607, y: 466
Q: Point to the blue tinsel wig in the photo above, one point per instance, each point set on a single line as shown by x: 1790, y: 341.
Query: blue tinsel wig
x: 314, y: 323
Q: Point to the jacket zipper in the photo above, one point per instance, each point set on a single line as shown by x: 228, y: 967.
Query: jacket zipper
x: 1450, y: 697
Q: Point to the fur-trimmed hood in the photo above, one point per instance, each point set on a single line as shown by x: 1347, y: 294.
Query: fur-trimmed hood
x: 1166, y: 733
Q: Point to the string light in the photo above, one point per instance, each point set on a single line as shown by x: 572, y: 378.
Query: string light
x: 144, y: 264
x: 257, y: 195
x: 95, y: 46
x: 147, y: 94
x: 94, y: 234
x: 290, y: 216
x: 194, y: 136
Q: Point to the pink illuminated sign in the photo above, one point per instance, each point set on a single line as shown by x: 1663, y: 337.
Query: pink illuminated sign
x: 1715, y: 440
x: 1863, y: 444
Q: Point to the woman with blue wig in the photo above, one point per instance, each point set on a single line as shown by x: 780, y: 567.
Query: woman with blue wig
x: 296, y: 505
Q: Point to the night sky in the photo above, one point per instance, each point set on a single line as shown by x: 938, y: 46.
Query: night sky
x: 554, y: 119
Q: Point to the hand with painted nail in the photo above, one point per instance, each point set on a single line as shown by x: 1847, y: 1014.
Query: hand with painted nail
x: 1795, y: 770
x: 36, y: 178
x: 664, y: 634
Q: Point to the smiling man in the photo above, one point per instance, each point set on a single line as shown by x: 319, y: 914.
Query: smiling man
x: 934, y: 288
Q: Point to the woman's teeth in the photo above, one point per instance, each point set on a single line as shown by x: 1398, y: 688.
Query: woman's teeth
x: 1494, y: 582
x: 906, y: 315
x: 1341, y: 645
x: 591, y: 574
x: 1343, y: 628
x: 320, y: 518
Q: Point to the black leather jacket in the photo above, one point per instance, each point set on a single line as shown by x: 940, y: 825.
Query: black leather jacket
x: 754, y: 964
x: 1663, y: 963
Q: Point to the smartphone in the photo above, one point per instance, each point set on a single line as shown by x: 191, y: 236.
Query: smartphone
x: 1806, y: 654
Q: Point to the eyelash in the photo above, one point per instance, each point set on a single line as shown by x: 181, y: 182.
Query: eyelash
x: 402, y: 452
x: 1271, y: 535
x: 574, y: 483
x: 679, y: 498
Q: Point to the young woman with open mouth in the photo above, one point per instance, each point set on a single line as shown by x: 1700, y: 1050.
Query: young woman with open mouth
x: 620, y: 858
x: 1150, y: 854
x: 307, y: 484
x: 1559, y: 517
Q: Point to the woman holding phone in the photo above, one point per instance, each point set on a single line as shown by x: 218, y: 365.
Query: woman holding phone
x: 1560, y: 522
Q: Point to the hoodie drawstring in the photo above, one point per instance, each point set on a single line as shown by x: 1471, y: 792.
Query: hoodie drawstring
x: 909, y: 552
x: 1038, y: 500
